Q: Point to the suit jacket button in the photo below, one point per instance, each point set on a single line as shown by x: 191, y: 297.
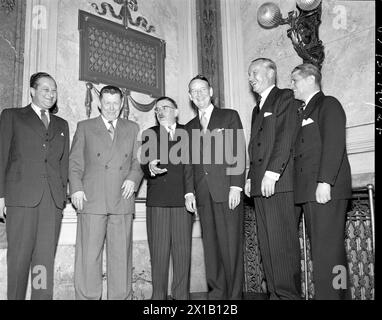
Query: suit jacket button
x: 260, y: 160
x: 259, y: 144
x: 98, y: 154
x: 261, y: 129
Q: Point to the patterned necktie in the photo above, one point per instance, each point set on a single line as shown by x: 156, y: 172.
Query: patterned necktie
x: 204, y: 121
x: 111, y: 130
x: 258, y: 105
x: 44, y: 119
x: 300, y: 110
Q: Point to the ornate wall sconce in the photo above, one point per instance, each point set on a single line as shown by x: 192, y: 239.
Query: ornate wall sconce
x: 303, y: 30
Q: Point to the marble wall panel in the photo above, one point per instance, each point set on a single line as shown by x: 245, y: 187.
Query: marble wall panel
x: 348, y: 34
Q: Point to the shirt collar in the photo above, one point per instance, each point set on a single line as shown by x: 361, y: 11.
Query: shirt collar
x: 172, y: 127
x: 107, y: 124
x: 310, y: 98
x: 264, y: 95
x: 37, y: 110
x: 207, y: 111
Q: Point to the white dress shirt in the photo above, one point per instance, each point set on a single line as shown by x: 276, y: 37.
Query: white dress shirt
x: 38, y: 111
x: 107, y: 124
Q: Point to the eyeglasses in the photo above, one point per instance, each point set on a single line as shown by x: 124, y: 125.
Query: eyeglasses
x: 194, y: 92
x: 163, y: 108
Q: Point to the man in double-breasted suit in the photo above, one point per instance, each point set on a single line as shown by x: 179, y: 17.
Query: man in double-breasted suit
x: 270, y: 180
x: 169, y: 225
x: 322, y: 180
x: 34, y: 151
x: 214, y: 180
x: 104, y: 173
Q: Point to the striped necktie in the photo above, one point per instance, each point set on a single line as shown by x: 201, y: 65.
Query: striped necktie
x: 111, y: 130
x: 204, y: 121
x: 44, y: 119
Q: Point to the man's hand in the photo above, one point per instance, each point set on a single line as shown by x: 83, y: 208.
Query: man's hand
x: 190, y: 203
x: 233, y: 198
x: 323, y: 192
x: 154, y: 170
x: 247, y: 188
x: 78, y: 199
x: 268, y: 187
x: 3, y: 209
x: 128, y: 189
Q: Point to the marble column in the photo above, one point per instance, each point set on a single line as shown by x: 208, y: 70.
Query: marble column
x: 40, y: 40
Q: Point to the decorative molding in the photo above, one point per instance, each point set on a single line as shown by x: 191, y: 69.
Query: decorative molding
x: 210, y: 46
x: 125, y: 14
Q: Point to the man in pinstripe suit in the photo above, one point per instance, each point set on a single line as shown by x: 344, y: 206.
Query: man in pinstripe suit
x: 169, y: 225
x: 270, y: 180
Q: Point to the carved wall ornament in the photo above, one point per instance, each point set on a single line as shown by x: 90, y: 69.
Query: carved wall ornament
x: 125, y: 14
x: 7, y: 5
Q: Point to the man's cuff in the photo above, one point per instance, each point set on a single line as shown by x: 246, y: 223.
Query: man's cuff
x: 272, y: 175
x: 188, y: 194
x: 236, y: 188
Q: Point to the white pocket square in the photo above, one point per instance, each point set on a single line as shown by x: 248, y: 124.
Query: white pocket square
x: 62, y: 134
x: 306, y: 122
x: 267, y: 114
x: 220, y: 130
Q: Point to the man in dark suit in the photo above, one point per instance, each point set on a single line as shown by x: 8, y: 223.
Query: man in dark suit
x: 270, y: 180
x: 214, y: 180
x: 34, y: 150
x: 104, y: 173
x: 322, y: 180
x: 169, y: 225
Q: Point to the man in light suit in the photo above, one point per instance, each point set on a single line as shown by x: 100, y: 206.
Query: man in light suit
x: 34, y: 151
x: 322, y: 181
x: 213, y: 187
x: 169, y: 225
x: 104, y: 173
x: 270, y: 180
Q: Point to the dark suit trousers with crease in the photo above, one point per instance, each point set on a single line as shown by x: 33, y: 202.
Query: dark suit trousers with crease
x: 223, y: 234
x: 169, y: 232
x: 277, y: 229
x: 32, y: 235
x: 325, y: 225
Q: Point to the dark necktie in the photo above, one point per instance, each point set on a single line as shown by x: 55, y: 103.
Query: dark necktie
x: 258, y: 105
x: 44, y: 119
x: 111, y: 130
x: 300, y: 110
x: 256, y: 110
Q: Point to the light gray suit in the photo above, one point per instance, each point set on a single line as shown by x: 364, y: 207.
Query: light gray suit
x: 98, y: 166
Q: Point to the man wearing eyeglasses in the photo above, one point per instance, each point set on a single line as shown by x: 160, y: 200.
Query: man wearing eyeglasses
x: 169, y: 225
x: 213, y: 187
x: 104, y: 174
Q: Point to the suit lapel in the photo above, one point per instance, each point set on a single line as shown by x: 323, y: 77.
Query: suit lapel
x: 34, y: 121
x: 104, y: 135
x: 53, y: 127
x: 267, y: 107
x: 312, y: 105
x: 118, y: 134
x: 214, y: 120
